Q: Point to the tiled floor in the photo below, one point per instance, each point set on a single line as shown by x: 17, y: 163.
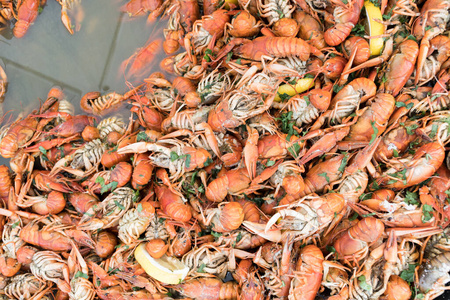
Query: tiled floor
x: 87, y: 61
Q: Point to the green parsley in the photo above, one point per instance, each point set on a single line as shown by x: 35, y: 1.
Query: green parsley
x: 270, y: 163
x: 408, y: 274
x: 411, y: 198
x: 325, y: 175
x: 81, y: 274
x: 403, y: 104
x: 363, y: 284
x: 200, y: 269
x: 427, y: 213
x: 375, y: 132
x: 343, y: 163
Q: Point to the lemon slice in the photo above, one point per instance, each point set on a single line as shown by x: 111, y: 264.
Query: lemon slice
x: 300, y: 86
x: 375, y: 28
x: 228, y: 2
x: 165, y: 269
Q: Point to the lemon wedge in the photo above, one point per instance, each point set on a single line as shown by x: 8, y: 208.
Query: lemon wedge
x: 228, y: 2
x: 373, y: 13
x: 300, y: 86
x: 165, y: 269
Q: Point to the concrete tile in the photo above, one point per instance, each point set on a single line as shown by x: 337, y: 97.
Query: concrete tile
x: 26, y: 87
x: 78, y: 60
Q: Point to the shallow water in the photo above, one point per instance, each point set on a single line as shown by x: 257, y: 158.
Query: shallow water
x: 87, y: 61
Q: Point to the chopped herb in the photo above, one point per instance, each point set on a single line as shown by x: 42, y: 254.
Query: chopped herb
x: 411, y: 198
x: 307, y: 100
x: 173, y: 156
x: 294, y: 150
x: 207, y: 57
x: 427, y: 213
x: 359, y: 30
x: 331, y: 249
x: 280, y: 13
x: 136, y: 196
x: 408, y: 274
x: 434, y: 129
x: 239, y: 237
x: 395, y: 152
x: 270, y: 163
x: 375, y: 185
x: 139, y: 207
x: 337, y: 88
x: 411, y: 37
x: 343, y: 163
x: 81, y: 274
x: 325, y: 175
x: 403, y: 104
x: 14, y: 225
x: 428, y: 157
x: 188, y: 161
x: 221, y: 2
x: 420, y: 296
x: 387, y: 16
x: 363, y: 284
x: 120, y: 206
x: 238, y: 61
x: 308, y: 76
x: 42, y: 149
x: 284, y: 97
x: 142, y: 136
x: 369, y: 215
x: 375, y: 132
x: 376, y: 3
x: 208, y: 162
x: 411, y: 129
x: 100, y: 180
x: 353, y: 217
x: 216, y: 234
x: 200, y: 269
x: 229, y: 55
x: 287, y: 124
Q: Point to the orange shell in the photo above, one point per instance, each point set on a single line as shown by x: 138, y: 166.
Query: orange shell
x: 105, y: 243
x: 286, y: 27
x: 397, y: 289
x: 231, y: 216
x: 156, y: 248
x: 25, y: 254
x: 90, y: 133
x: 54, y: 204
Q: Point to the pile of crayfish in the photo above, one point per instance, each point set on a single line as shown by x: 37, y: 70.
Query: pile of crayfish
x: 284, y: 151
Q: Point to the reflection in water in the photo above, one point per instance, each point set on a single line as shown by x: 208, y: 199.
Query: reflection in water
x: 87, y: 61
